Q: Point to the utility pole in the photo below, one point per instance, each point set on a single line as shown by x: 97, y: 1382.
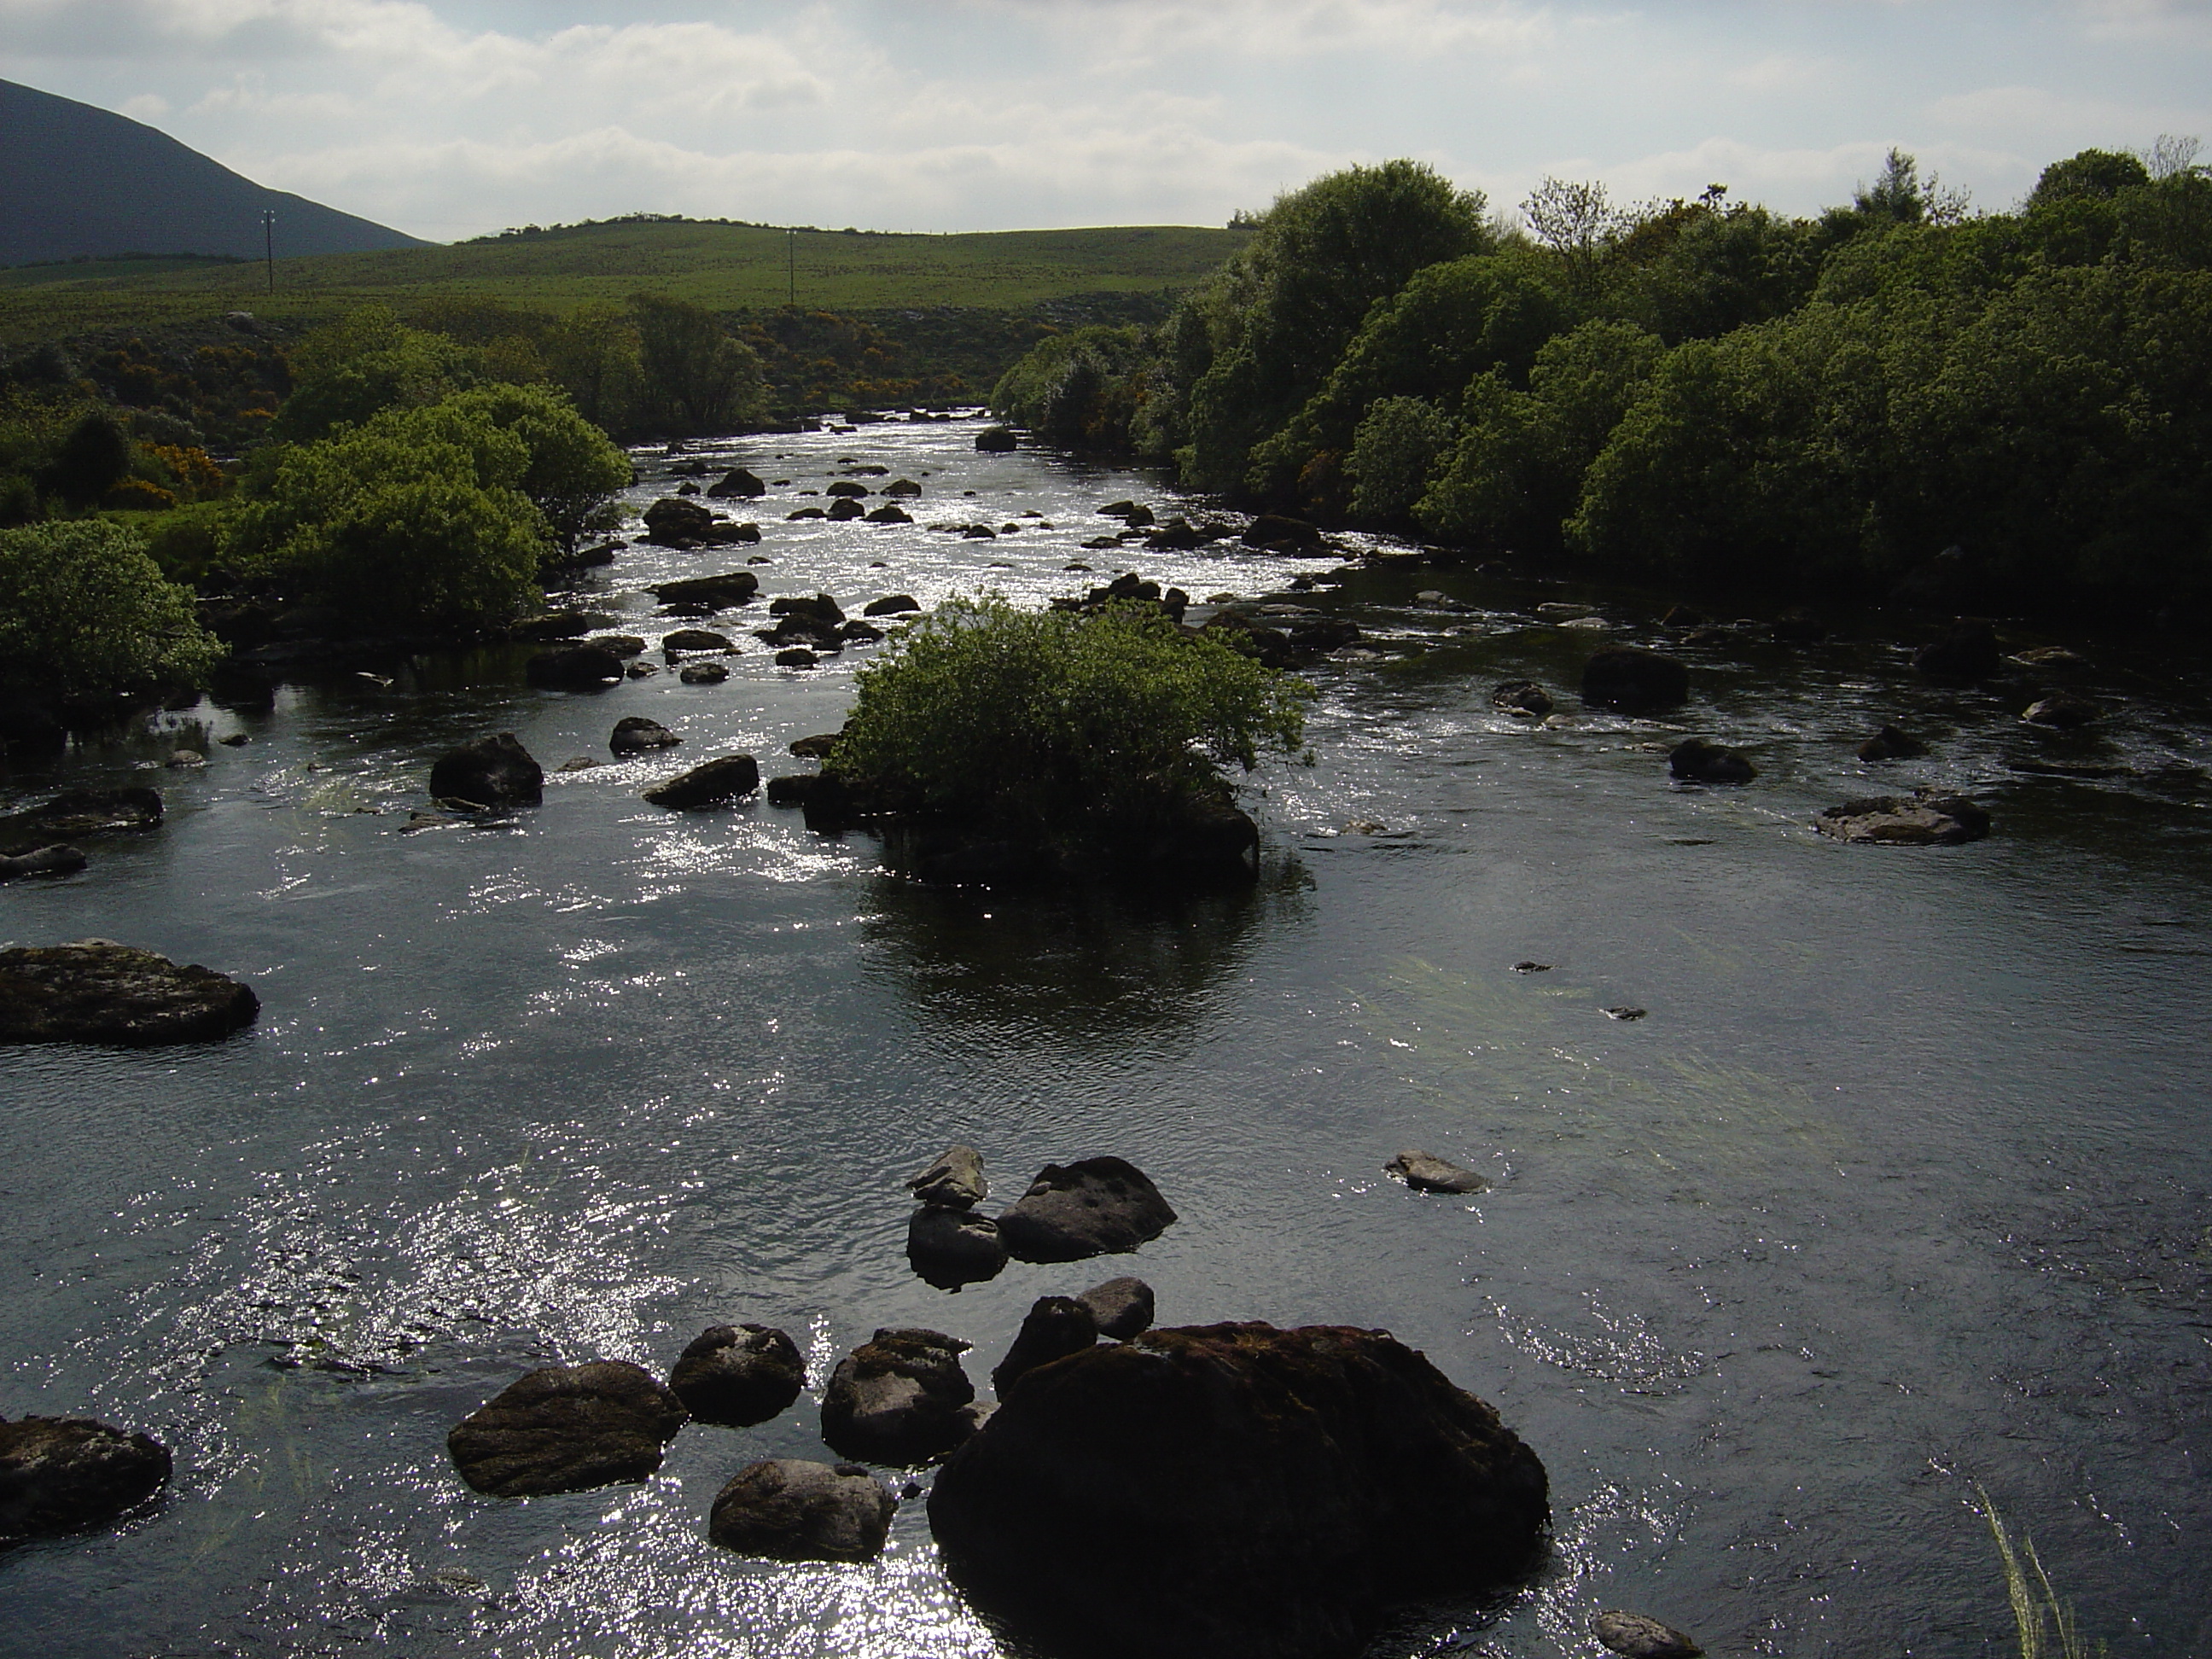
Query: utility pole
x: 268, y: 244
x: 791, y: 262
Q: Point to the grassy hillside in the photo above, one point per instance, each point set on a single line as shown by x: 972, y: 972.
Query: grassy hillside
x: 728, y: 267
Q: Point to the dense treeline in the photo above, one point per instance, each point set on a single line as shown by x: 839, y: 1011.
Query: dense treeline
x: 1703, y: 391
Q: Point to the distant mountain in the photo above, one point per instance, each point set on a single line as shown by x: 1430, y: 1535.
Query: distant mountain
x: 75, y: 179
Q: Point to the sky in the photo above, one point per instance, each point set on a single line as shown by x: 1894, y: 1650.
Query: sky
x: 449, y: 119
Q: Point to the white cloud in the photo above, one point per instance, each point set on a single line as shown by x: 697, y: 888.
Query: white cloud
x: 149, y: 106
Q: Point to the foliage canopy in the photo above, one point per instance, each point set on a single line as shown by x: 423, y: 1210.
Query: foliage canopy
x: 85, y: 613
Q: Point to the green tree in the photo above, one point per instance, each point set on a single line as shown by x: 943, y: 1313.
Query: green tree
x: 574, y: 472
x: 2102, y: 173
x: 695, y: 377
x: 1081, y: 389
x: 1058, y: 722
x: 349, y: 371
x: 85, y: 613
x: 592, y: 355
x: 1396, y: 447
x: 91, y: 460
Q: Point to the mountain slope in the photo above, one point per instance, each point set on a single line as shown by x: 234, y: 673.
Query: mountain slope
x: 78, y: 181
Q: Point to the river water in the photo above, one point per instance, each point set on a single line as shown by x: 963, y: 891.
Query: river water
x: 1898, y: 1187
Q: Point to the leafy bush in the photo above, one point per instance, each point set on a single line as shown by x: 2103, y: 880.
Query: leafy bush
x: 1392, y: 455
x: 694, y: 376
x: 1080, y: 389
x: 91, y: 460
x: 573, y: 472
x: 1058, y: 722
x: 84, y: 612
x: 352, y: 370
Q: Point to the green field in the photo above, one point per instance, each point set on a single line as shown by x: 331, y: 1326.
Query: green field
x: 726, y: 267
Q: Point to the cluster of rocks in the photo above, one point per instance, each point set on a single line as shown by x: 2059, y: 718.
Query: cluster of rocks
x: 41, y: 840
x: 678, y: 522
x: 1070, y: 1212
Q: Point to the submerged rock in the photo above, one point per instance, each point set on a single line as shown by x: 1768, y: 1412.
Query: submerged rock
x: 1424, y: 1172
x: 80, y: 812
x: 1235, y: 1491
x: 1890, y: 743
x: 1520, y: 697
x: 1636, y: 1636
x: 1054, y: 1327
x: 950, y: 1248
x: 954, y: 1180
x: 65, y: 1474
x: 63, y: 861
x: 791, y: 1510
x: 1094, y: 1206
x: 1121, y: 1308
x: 492, y: 772
x: 1926, y: 819
x: 1696, y: 761
x: 568, y: 1428
x: 900, y: 1398
x: 738, y: 1375
x: 2064, y: 712
x: 718, y: 780
x: 97, y: 991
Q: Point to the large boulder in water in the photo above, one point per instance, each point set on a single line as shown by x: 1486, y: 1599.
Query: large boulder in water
x: 950, y: 1247
x: 577, y: 668
x: 1093, y: 1207
x: 954, y: 1180
x: 1622, y: 677
x: 738, y: 1375
x: 996, y: 440
x: 64, y: 1474
x: 1121, y: 1308
x: 1925, y: 819
x: 791, y: 1510
x: 1695, y: 761
x: 492, y: 772
x: 97, y: 991
x: 673, y: 521
x: 697, y: 596
x: 900, y: 1398
x: 634, y: 734
x: 1054, y: 1327
x: 709, y: 785
x: 738, y: 483
x: 1235, y: 1491
x: 568, y: 1428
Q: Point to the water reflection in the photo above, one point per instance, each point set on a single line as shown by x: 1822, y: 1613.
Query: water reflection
x: 1085, y: 965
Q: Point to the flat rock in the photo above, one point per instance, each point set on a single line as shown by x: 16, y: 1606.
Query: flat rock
x: 1921, y: 820
x: 1054, y: 1327
x: 1235, y: 1492
x: 1121, y: 1308
x: 702, y: 673
x: 635, y: 735
x: 80, y: 812
x: 1424, y: 1172
x: 696, y: 638
x: 718, y: 780
x: 2064, y: 712
x: 738, y: 1375
x: 901, y: 1398
x: 954, y: 1180
x: 568, y: 1428
x: 1094, y: 1206
x: 1695, y: 761
x: 698, y: 595
x: 67, y: 1474
x: 63, y: 861
x: 1636, y: 1636
x: 495, y: 771
x: 98, y: 990
x: 1891, y: 744
x: 787, y: 1510
x: 820, y: 746
x: 950, y: 1248
x: 891, y: 605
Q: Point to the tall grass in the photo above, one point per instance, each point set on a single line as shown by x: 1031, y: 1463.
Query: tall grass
x: 2041, y: 1616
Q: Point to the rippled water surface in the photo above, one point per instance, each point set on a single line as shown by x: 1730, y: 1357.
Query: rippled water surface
x: 1900, y: 1185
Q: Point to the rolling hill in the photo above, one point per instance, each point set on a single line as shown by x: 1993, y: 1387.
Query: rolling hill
x: 80, y: 182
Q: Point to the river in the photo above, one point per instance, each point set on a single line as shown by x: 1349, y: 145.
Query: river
x: 1899, y: 1186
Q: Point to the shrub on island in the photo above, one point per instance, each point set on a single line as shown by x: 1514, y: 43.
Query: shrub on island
x: 85, y: 614
x: 996, y: 743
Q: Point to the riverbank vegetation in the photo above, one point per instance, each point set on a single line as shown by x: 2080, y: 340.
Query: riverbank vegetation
x: 1703, y: 392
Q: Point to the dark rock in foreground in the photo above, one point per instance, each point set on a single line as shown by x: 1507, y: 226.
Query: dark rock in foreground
x: 64, y: 1474
x: 1424, y: 1172
x: 1634, y: 1636
x: 673, y: 521
x: 1890, y: 743
x: 568, y: 1428
x: 950, y: 1248
x: 2064, y: 712
x: 1621, y: 676
x: 491, y: 772
x: 738, y: 483
x: 900, y: 1398
x: 709, y: 785
x: 1121, y: 1308
x: 1235, y: 1492
x: 1696, y: 761
x: 738, y: 1375
x: 1923, y: 820
x: 954, y: 1180
x: 996, y: 441
x: 1054, y: 1327
x: 697, y: 596
x: 1094, y: 1206
x: 98, y: 990
x: 792, y: 1510
x: 80, y: 812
